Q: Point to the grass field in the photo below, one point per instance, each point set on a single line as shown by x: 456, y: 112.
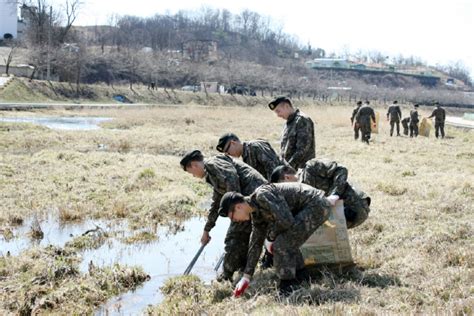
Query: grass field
x: 414, y: 254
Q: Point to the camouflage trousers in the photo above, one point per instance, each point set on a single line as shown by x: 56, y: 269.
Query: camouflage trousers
x: 287, y: 257
x: 236, y: 247
x: 405, y: 128
x: 356, y: 207
x: 392, y: 125
x: 356, y: 130
x: 413, y: 129
x: 366, y: 132
x: 439, y: 129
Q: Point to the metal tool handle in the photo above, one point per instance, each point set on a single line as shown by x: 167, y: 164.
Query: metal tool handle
x: 219, y: 262
x: 191, y: 265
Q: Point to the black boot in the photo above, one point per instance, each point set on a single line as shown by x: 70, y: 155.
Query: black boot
x: 287, y: 287
x: 302, y: 275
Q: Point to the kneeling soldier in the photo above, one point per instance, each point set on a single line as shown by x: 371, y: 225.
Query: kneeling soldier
x: 284, y: 216
x: 332, y: 179
x: 225, y: 174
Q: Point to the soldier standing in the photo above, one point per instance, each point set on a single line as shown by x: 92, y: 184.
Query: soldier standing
x: 414, y: 119
x: 331, y: 178
x: 297, y: 142
x: 395, y: 115
x: 363, y: 118
x: 284, y: 216
x: 258, y: 154
x: 405, y: 123
x: 356, y: 126
x: 225, y: 174
x: 440, y: 117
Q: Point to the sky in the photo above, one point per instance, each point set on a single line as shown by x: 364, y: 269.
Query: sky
x: 437, y: 31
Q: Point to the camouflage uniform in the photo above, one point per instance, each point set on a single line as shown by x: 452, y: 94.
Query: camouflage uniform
x: 225, y: 174
x: 287, y: 213
x: 363, y: 117
x: 297, y: 142
x: 260, y: 155
x: 414, y: 123
x: 440, y: 116
x: 405, y: 123
x: 356, y: 126
x: 331, y: 178
x: 395, y: 115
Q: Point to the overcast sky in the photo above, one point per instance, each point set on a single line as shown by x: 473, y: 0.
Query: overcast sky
x: 438, y: 31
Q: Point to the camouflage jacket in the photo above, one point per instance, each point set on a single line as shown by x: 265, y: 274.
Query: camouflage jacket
x: 260, y: 155
x: 439, y: 114
x: 364, y: 115
x: 354, y: 113
x: 406, y: 121
x: 226, y: 174
x: 394, y: 113
x: 325, y: 175
x: 414, y: 117
x: 276, y: 206
x: 297, y: 141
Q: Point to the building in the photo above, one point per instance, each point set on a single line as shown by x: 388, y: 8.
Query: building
x: 8, y: 19
x: 328, y: 63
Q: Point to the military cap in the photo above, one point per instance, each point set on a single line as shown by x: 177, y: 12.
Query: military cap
x: 228, y: 201
x: 416, y: 105
x: 190, y: 156
x: 272, y: 105
x: 359, y: 102
x: 395, y: 102
x: 436, y: 103
x: 367, y: 102
x: 224, y: 140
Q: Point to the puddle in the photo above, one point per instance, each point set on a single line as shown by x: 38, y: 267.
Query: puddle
x: 61, y: 123
x: 166, y: 257
x: 55, y: 233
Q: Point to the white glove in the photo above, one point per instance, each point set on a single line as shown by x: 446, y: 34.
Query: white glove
x: 241, y: 286
x: 269, y: 246
x: 333, y: 199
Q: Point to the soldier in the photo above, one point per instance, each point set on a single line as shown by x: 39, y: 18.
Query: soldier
x: 225, y: 174
x: 395, y: 115
x: 258, y: 154
x: 297, y: 142
x: 331, y: 178
x: 440, y: 117
x: 414, y: 119
x: 284, y: 216
x: 356, y: 126
x: 363, y: 117
x: 405, y: 123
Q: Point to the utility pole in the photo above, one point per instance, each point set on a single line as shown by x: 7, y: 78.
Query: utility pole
x: 48, y: 69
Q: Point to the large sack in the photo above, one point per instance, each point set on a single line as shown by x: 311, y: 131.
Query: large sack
x: 374, y: 126
x: 425, y: 127
x: 329, y: 244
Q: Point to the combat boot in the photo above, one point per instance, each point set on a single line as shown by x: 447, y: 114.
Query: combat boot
x: 287, y: 287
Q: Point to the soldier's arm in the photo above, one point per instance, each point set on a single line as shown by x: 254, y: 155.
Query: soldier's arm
x: 388, y: 113
x: 213, y: 211
x: 304, y: 137
x: 257, y: 238
x: 339, y: 176
x: 354, y: 112
x: 269, y: 159
x: 283, y: 219
x: 443, y: 115
x: 399, y: 111
x: 372, y: 114
x: 224, y: 176
x: 432, y: 114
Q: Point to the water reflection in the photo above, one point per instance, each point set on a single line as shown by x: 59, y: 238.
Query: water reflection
x: 61, y: 123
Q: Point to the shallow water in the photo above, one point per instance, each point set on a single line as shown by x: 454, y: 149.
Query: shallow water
x: 166, y: 257
x: 61, y: 123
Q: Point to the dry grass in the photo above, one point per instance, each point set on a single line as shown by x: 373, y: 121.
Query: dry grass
x: 414, y: 254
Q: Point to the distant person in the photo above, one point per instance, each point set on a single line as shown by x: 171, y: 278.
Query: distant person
x: 297, y: 142
x: 440, y: 117
x: 354, y: 124
x: 414, y: 119
x: 363, y: 118
x: 331, y: 178
x: 284, y: 216
x: 405, y: 124
x: 394, y: 114
x: 225, y: 174
x: 258, y: 154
